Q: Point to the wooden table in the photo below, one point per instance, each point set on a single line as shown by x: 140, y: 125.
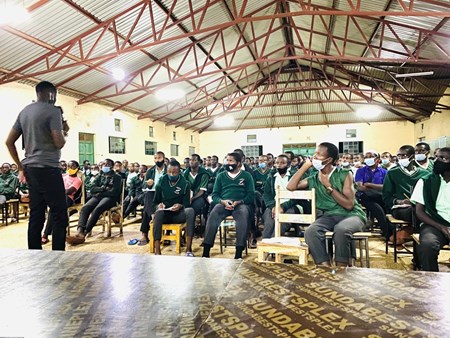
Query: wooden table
x: 54, y: 294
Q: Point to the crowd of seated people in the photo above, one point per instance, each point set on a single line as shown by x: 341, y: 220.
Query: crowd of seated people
x: 244, y: 187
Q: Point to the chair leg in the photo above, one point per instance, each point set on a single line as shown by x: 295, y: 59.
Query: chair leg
x: 395, y: 244
x: 220, y: 238
x: 366, y: 242
x: 360, y: 252
x: 178, y: 243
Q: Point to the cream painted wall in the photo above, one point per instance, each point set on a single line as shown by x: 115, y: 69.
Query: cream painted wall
x: 98, y: 120
x: 383, y: 136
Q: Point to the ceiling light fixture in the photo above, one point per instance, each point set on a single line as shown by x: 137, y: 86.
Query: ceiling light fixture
x: 118, y: 74
x: 398, y: 76
x: 170, y: 94
x: 224, y: 121
x: 369, y: 111
x: 10, y: 14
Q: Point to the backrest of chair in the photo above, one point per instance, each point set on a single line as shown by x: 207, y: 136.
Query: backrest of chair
x: 80, y: 195
x: 294, y: 218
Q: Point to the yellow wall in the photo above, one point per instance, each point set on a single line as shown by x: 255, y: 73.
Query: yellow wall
x: 94, y: 119
x: 383, y: 136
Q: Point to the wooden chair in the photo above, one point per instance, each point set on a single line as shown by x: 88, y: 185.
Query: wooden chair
x: 77, y: 206
x: 175, y: 235
x: 118, y: 208
x: 10, y: 207
x: 360, y: 237
x: 228, y: 224
x: 287, y: 246
x: 397, y: 223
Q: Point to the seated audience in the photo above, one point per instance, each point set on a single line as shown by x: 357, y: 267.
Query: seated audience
x: 152, y: 178
x: 387, y: 161
x: 234, y: 192
x: 397, y: 188
x: 338, y: 210
x: 14, y: 169
x: 280, y: 178
x: 358, y: 162
x: 72, y: 184
x: 198, y: 179
x: 63, y: 166
x: 171, y: 203
x: 432, y: 196
x: 133, y: 171
x: 260, y: 177
x: 347, y: 161
x: 135, y: 194
x: 369, y: 183
x: 8, y: 183
x: 422, y: 153
x: 118, y: 168
x: 105, y: 193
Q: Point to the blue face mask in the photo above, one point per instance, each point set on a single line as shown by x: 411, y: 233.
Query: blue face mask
x: 173, y: 178
x: 106, y: 170
x: 262, y: 165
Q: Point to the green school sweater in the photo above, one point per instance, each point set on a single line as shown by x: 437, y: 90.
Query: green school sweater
x: 326, y: 203
x: 270, y: 192
x: 137, y: 183
x: 8, y: 184
x: 171, y: 194
x: 213, y: 174
x: 242, y: 187
x: 399, y: 183
x: 429, y: 168
x: 200, y: 181
x: 107, y: 185
x: 260, y: 179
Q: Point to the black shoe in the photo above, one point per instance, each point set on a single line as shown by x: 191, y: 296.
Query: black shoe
x: 252, y: 243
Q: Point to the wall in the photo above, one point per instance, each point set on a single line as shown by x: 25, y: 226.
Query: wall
x: 94, y: 119
x: 382, y: 136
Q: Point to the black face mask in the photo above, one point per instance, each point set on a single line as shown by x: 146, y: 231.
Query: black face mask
x: 282, y: 171
x: 159, y: 163
x: 441, y: 167
x: 230, y: 167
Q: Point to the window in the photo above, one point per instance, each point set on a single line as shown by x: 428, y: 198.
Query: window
x: 351, y: 133
x: 191, y: 150
x: 116, y: 145
x: 351, y: 147
x: 174, y: 135
x: 251, y: 138
x: 305, y: 149
x: 117, y: 125
x: 150, y: 131
x: 252, y: 151
x: 150, y: 148
x: 174, y: 149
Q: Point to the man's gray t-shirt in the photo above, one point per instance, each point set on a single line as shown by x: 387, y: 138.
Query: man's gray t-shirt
x: 35, y: 122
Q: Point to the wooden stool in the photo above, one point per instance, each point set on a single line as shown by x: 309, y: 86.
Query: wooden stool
x: 360, y: 237
x: 177, y: 228
x: 280, y: 250
x: 12, y: 204
x: 225, y: 224
x: 396, y: 224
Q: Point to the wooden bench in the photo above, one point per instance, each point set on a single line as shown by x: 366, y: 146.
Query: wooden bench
x: 281, y: 250
x: 416, y: 242
x: 175, y: 235
x: 360, y: 237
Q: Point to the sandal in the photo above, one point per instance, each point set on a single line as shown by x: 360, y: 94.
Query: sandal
x: 189, y: 254
x: 133, y: 241
x: 143, y: 241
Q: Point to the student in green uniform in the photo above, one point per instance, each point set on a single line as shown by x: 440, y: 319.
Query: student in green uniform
x: 432, y: 196
x: 8, y: 183
x: 135, y: 194
x: 280, y: 177
x: 171, y: 203
x: 105, y: 192
x: 234, y: 192
x: 260, y: 175
x: 338, y: 210
x: 421, y: 157
x: 198, y: 179
x: 397, y: 187
x: 152, y: 178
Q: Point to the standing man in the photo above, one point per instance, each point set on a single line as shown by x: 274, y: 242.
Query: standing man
x: 42, y: 129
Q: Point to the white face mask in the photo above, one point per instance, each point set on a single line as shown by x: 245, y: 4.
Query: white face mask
x: 369, y: 161
x: 404, y: 162
x: 345, y: 164
x: 94, y: 172
x: 318, y: 164
x: 357, y: 163
x: 385, y: 161
x: 421, y: 157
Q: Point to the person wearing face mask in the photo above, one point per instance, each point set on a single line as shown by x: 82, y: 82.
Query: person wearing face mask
x: 397, y: 188
x: 233, y: 194
x: 72, y: 184
x: 357, y: 163
x: 198, y: 178
x: 172, y: 205
x: 152, y: 178
x: 135, y: 194
x: 421, y: 157
x: 387, y: 161
x: 43, y: 132
x: 279, y: 177
x: 347, y: 161
x: 338, y: 209
x: 432, y: 195
x: 260, y: 176
x: 105, y: 193
x: 369, y: 183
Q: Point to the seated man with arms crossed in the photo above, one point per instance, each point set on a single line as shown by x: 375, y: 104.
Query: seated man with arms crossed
x: 432, y: 196
x: 233, y: 193
x: 171, y: 202
x: 105, y: 192
x: 338, y: 210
